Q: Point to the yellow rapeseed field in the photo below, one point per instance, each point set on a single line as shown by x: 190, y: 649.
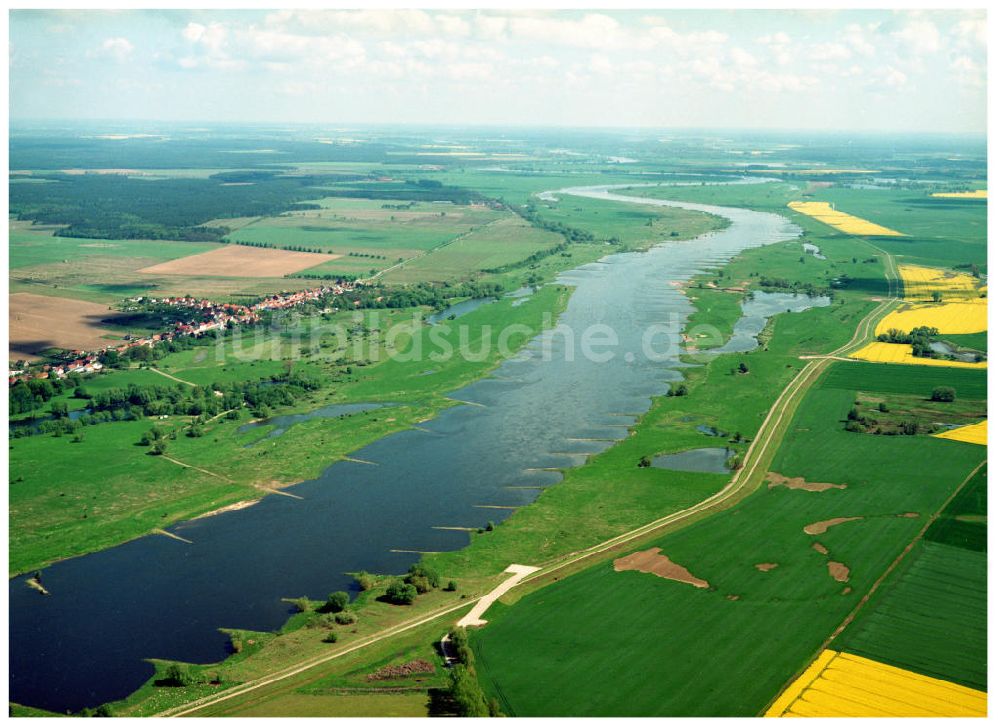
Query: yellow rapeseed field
x: 980, y: 193
x: 886, y: 353
x: 971, y: 433
x: 962, y: 309
x: 920, y: 282
x: 951, y: 317
x: 845, y: 222
x: 846, y: 685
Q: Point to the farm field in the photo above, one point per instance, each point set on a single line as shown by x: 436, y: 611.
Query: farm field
x: 938, y: 231
x: 38, y: 323
x: 846, y: 685
x: 748, y: 619
x: 885, y: 353
x: 841, y: 221
x: 499, y: 244
x: 365, y: 233
x: 972, y: 433
x: 238, y: 261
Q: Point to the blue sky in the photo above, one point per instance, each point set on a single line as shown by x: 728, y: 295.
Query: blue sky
x: 829, y: 70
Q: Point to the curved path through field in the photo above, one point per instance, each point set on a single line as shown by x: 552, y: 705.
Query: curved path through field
x: 745, y: 481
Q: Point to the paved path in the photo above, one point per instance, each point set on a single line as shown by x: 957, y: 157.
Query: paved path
x: 474, y: 616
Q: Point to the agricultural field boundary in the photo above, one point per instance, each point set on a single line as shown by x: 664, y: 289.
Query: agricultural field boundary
x: 871, y: 591
x: 764, y: 446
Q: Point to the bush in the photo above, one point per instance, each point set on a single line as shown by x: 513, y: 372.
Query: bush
x: 421, y: 570
x: 943, y: 394
x: 365, y: 580
x: 175, y: 677
x: 331, y: 637
x: 337, y: 601
x: 345, y: 618
x: 421, y: 583
x: 401, y: 593
x: 301, y: 604
x: 452, y: 586
x: 645, y: 462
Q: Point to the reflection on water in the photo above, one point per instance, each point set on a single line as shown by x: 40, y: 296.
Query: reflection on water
x: 155, y: 597
x: 761, y: 307
x: 706, y: 459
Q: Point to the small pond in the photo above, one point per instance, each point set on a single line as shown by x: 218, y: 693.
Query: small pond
x: 706, y: 459
x: 760, y: 308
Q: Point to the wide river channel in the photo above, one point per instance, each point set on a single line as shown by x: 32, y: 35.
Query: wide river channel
x: 155, y: 597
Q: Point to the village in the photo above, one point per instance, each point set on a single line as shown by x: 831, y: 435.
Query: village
x: 210, y: 316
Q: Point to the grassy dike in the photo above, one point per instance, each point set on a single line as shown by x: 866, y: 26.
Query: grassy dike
x: 608, y: 495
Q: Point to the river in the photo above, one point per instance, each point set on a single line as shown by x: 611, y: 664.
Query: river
x: 157, y: 597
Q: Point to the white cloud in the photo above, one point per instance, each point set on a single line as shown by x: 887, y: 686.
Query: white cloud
x: 970, y: 34
x: 918, y: 37
x: 591, y: 31
x: 830, y: 52
x: 119, y: 49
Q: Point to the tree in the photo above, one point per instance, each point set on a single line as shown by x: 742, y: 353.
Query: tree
x: 400, y: 593
x: 743, y: 368
x: 337, y: 601
x: 175, y: 677
x: 936, y: 296
x: 943, y: 394
x: 331, y: 637
x: 452, y: 586
x: 159, y: 447
x: 645, y: 462
x: 59, y: 409
x: 467, y: 694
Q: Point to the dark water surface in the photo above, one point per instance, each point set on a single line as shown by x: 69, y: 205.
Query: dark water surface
x: 705, y: 459
x: 156, y: 597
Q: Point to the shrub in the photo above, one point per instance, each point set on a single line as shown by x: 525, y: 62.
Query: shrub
x: 365, y: 580
x: 337, y: 601
x: 175, y: 677
x: 421, y: 583
x: 301, y: 604
x: 400, y: 593
x: 645, y: 462
x: 943, y: 394
x: 420, y: 570
x: 452, y: 586
x: 345, y: 618
x: 330, y: 637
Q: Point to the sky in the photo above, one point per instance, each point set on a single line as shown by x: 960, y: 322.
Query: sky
x: 846, y: 70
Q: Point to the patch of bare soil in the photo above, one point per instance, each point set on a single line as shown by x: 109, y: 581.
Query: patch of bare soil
x: 732, y: 597
x: 652, y: 561
x: 838, y: 571
x: 242, y: 505
x: 766, y: 566
x: 40, y: 322
x: 390, y: 672
x: 911, y: 515
x: 846, y: 591
x: 799, y: 483
x: 820, y: 549
x: 818, y: 528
